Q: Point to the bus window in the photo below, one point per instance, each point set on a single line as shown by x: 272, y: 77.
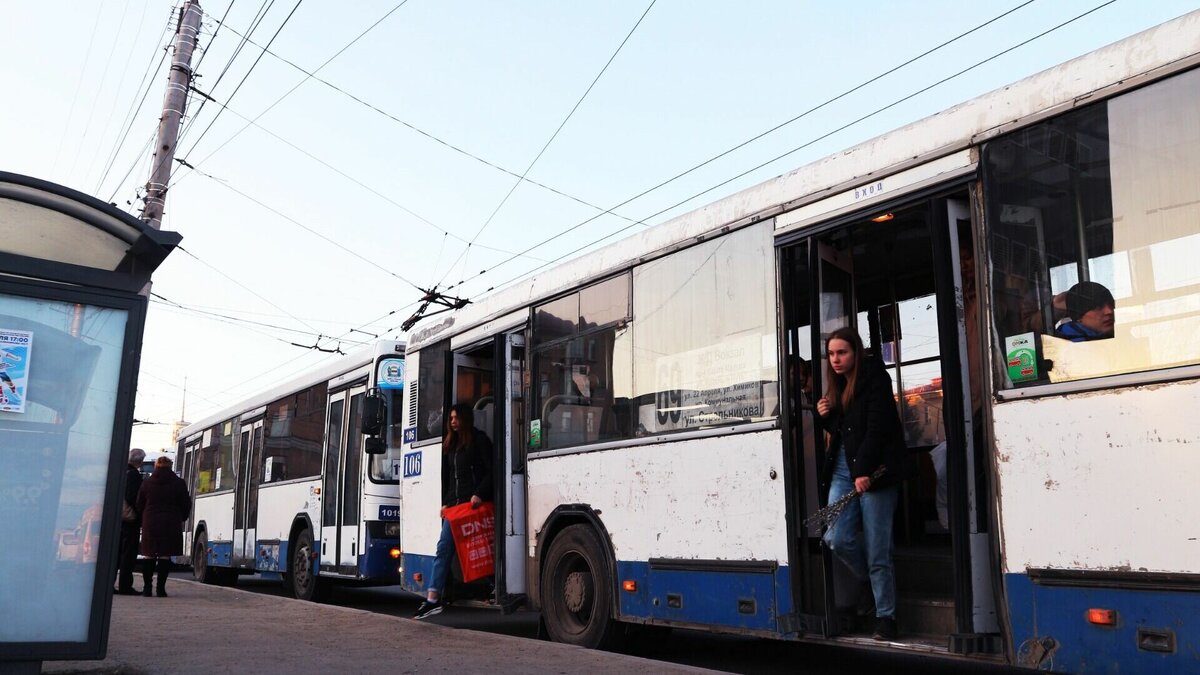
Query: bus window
x: 431, y: 394
x: 1094, y: 238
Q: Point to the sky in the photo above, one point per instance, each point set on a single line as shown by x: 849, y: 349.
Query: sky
x: 377, y: 147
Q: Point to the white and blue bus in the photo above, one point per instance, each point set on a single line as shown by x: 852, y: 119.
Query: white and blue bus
x: 282, y: 485
x: 651, y: 402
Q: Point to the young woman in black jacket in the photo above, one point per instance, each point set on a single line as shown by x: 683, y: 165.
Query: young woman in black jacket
x: 466, y: 477
x: 859, y: 412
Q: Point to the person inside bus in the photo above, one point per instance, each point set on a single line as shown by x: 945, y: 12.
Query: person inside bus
x: 164, y: 503
x: 466, y: 477
x: 1091, y: 312
x: 131, y: 524
x: 865, y: 455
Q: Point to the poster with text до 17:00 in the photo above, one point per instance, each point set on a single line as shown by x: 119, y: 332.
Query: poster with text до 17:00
x: 15, y: 346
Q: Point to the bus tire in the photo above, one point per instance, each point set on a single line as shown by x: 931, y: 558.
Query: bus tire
x: 301, y: 580
x: 577, y: 591
x: 200, y: 569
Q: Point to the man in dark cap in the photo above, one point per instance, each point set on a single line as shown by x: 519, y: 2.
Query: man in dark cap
x: 131, y: 523
x: 1092, y: 310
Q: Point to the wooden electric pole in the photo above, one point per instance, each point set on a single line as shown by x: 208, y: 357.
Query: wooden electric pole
x: 178, y: 81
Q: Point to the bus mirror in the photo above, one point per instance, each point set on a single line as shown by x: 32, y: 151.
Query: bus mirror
x: 373, y: 415
x: 375, y: 446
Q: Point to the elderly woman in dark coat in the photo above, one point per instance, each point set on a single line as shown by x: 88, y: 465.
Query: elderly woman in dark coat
x: 164, y: 503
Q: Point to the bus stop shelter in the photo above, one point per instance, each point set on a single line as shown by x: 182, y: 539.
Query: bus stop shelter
x: 74, y: 272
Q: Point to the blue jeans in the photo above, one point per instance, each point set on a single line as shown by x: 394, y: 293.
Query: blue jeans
x: 445, y: 557
x: 869, y: 556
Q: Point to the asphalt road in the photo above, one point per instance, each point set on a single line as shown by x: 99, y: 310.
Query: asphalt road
x: 685, y: 647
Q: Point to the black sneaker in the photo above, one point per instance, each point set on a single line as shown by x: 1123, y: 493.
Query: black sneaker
x: 428, y: 609
x: 885, y: 629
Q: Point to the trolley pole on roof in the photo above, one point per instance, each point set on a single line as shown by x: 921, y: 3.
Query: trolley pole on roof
x: 180, y: 77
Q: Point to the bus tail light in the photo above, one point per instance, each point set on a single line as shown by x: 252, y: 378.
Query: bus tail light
x: 394, y: 552
x: 418, y: 577
x: 1102, y: 617
x: 629, y: 585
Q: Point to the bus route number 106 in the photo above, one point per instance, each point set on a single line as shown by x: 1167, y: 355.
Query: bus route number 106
x: 412, y: 464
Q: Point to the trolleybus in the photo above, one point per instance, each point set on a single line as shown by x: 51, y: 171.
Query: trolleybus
x: 651, y: 402
x: 282, y: 486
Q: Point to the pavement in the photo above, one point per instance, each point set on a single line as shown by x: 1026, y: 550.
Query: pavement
x: 212, y: 629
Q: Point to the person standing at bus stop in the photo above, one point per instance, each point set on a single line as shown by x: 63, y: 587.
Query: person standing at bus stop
x: 859, y: 412
x: 466, y: 477
x: 130, y: 529
x: 164, y: 503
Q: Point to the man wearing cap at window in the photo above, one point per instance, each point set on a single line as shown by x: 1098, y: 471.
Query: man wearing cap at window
x: 130, y: 528
x: 1092, y: 312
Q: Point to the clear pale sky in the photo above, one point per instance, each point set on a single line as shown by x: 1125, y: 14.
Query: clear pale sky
x: 354, y: 203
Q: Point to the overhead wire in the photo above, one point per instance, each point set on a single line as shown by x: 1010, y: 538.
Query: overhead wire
x: 352, y: 179
x: 87, y: 128
x: 78, y: 85
x: 557, y: 131
x: 785, y: 154
x: 441, y: 141
x: 139, y: 99
x: 245, y: 77
x: 297, y: 86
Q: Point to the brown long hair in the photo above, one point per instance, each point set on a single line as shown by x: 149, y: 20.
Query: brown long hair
x: 466, y: 425
x: 839, y: 389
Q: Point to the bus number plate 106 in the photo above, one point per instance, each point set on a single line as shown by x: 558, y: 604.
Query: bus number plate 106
x: 412, y: 464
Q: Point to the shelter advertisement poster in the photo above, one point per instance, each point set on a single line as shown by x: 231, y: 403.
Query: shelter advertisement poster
x: 15, y: 346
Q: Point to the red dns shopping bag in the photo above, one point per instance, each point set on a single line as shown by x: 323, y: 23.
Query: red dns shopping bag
x: 473, y: 540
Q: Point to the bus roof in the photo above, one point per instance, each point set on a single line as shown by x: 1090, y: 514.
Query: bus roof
x: 359, y: 359
x: 1140, y: 58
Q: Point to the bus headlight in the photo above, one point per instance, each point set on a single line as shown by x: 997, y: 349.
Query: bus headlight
x: 391, y: 530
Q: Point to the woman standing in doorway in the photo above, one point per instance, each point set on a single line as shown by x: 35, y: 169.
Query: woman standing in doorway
x: 859, y: 412
x: 466, y: 477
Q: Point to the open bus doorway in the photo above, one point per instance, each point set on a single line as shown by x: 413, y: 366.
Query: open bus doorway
x: 896, y: 276
x: 488, y: 377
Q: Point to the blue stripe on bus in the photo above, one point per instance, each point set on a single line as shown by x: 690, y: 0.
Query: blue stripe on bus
x: 220, y: 553
x: 377, y: 563
x: 416, y: 564
x: 1039, y: 611
x: 739, y: 600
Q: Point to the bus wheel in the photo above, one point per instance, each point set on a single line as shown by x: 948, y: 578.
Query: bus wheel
x: 301, y: 582
x: 200, y: 569
x: 577, y: 597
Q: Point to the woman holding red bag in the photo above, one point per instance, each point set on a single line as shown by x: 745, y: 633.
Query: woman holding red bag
x: 466, y: 477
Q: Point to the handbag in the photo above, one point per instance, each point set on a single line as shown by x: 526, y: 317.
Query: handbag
x: 128, y: 513
x: 473, y: 530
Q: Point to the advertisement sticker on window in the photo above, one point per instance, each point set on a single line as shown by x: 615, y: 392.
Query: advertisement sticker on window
x: 1021, y: 357
x: 15, y: 346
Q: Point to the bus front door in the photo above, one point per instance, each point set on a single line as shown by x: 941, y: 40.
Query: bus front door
x: 341, y: 483
x: 245, y: 518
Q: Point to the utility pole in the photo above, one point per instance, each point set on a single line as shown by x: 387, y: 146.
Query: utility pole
x: 178, y: 81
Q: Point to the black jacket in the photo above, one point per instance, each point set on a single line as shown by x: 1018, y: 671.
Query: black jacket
x: 133, y: 483
x: 869, y: 429
x: 467, y: 471
x: 164, y: 503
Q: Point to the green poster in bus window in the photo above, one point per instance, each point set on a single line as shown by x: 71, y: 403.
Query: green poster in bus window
x: 1021, y: 357
x: 535, y: 434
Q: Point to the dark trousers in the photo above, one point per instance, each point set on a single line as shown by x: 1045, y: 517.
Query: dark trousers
x: 127, y: 555
x: 149, y: 565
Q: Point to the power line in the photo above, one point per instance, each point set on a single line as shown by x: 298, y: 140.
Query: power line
x: 246, y: 76
x: 120, y: 85
x: 255, y: 23
x: 426, y: 134
x: 554, y: 135
x: 350, y: 178
x: 308, y: 229
x: 87, y: 128
x: 289, y: 92
x: 740, y: 145
x: 786, y: 154
x: 226, y: 318
x: 136, y: 104
x: 246, y: 288
x: 78, y: 86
